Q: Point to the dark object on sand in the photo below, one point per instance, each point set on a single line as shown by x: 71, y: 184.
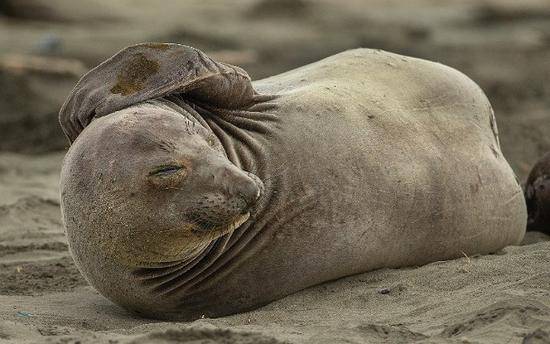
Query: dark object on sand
x: 537, y: 196
x: 27, y: 10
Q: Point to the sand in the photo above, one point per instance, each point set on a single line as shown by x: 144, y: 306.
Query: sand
x: 505, y: 47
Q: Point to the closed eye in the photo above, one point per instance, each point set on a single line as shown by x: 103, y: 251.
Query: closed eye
x: 165, y: 170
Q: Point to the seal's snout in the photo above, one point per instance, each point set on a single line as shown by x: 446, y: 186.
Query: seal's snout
x: 249, y: 188
x: 240, y: 186
x: 229, y: 202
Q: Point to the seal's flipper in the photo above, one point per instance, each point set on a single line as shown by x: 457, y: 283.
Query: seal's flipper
x: 151, y: 70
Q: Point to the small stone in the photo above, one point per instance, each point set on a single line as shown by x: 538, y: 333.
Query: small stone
x: 384, y: 291
x: 23, y: 314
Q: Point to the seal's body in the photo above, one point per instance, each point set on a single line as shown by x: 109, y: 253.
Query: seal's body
x: 363, y: 160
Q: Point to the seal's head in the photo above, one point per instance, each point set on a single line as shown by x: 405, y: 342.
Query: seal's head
x: 146, y: 186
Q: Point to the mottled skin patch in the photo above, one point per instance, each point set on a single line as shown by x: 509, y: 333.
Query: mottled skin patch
x: 134, y: 75
x: 131, y: 79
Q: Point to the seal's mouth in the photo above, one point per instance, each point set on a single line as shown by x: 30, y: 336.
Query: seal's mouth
x: 225, y: 228
x: 239, y: 221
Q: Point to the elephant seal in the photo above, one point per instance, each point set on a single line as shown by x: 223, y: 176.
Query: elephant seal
x: 190, y: 191
x: 537, y: 196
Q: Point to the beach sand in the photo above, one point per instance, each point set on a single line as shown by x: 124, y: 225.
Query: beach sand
x: 498, y: 298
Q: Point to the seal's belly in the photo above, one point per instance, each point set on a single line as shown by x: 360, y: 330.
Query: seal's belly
x: 428, y: 181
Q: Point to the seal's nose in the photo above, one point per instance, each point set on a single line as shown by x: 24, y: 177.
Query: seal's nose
x: 243, y: 185
x: 249, y: 188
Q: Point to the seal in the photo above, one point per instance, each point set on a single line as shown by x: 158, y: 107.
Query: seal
x: 537, y: 196
x: 190, y: 191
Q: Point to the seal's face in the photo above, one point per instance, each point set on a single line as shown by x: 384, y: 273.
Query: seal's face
x: 149, y: 186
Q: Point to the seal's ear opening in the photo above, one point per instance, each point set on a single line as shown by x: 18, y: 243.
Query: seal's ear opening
x: 151, y: 70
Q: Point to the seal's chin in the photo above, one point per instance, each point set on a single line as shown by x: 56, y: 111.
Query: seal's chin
x: 178, y: 258
x: 239, y: 221
x: 226, y: 228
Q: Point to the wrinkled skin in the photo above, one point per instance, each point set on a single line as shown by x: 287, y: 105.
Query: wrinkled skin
x: 187, y: 192
x: 537, y: 196
x: 360, y: 161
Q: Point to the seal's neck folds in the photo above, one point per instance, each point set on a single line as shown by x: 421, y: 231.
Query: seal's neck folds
x: 244, y: 135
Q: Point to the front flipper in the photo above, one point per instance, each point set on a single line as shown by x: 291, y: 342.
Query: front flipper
x: 151, y: 70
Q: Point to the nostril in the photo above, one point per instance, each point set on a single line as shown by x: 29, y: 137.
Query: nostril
x: 250, y: 192
x: 244, y: 188
x: 258, y: 185
x: 250, y: 195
